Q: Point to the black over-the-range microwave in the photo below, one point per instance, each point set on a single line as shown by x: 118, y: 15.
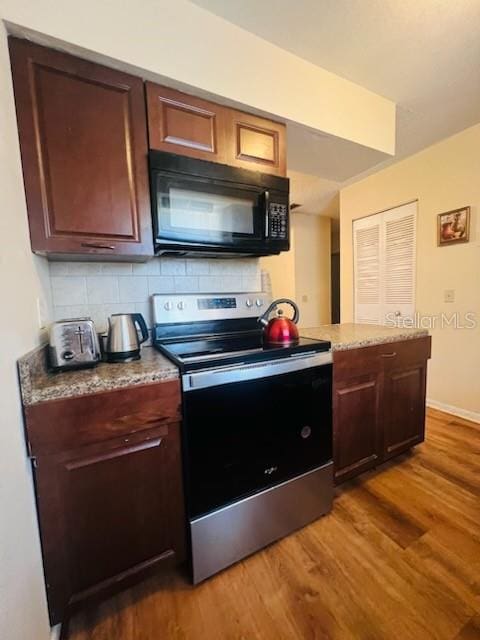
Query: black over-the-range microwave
x: 203, y: 208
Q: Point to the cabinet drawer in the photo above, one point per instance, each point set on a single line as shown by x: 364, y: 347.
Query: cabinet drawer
x: 69, y: 423
x: 355, y: 362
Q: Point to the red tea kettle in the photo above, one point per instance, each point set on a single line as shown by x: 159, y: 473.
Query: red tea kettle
x: 280, y: 330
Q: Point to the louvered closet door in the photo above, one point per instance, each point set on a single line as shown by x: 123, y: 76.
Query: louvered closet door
x: 384, y: 256
x: 399, y: 258
x: 367, y: 269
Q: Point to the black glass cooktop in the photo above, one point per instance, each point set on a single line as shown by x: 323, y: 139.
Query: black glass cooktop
x: 203, y: 352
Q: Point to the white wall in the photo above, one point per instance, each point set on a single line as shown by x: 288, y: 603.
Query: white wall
x: 185, y: 43
x: 23, y: 613
x: 312, y: 268
x: 443, y: 177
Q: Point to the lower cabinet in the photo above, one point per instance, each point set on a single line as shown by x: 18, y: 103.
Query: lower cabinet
x: 357, y: 431
x: 378, y: 403
x: 404, y: 408
x: 110, y: 512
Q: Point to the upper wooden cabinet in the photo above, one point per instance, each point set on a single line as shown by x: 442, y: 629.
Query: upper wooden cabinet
x: 255, y: 143
x: 183, y: 124
x: 83, y: 141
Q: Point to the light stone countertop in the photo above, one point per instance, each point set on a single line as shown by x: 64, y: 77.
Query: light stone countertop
x: 349, y: 335
x: 39, y: 385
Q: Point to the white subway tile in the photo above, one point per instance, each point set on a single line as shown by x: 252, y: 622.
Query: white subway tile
x: 172, y: 267
x: 145, y: 308
x: 133, y: 288
x: 160, y: 284
x: 123, y: 307
x: 250, y: 266
x: 117, y: 268
x: 68, y: 290
x: 102, y: 289
x: 230, y: 266
x: 85, y: 268
x: 198, y: 267
x: 209, y: 284
x: 251, y: 283
x: 150, y: 268
x: 231, y: 284
x: 186, y: 284
x: 71, y: 311
x: 98, y: 314
x: 58, y: 268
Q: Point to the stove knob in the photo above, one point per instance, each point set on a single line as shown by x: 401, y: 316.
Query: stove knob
x: 259, y: 302
x: 168, y: 306
x: 249, y: 303
x: 181, y: 306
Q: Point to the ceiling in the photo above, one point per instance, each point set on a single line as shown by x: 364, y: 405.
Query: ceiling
x: 315, y: 195
x: 422, y: 54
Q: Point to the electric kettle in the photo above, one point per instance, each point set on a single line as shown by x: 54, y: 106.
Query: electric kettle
x: 280, y: 330
x: 123, y: 344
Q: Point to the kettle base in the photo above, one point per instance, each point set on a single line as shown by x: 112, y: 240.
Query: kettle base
x: 123, y: 356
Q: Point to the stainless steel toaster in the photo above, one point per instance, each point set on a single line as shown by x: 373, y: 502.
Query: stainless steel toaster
x: 73, y: 344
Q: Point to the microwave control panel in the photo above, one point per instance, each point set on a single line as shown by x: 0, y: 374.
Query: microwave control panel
x: 278, y: 221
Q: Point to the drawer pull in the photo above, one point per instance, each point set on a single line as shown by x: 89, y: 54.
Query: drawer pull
x: 95, y: 245
x: 389, y: 355
x: 114, y: 453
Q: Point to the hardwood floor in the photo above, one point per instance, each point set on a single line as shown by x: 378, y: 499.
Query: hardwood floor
x: 398, y: 558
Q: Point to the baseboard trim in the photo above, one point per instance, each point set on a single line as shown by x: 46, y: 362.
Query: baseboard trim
x: 55, y: 632
x: 474, y: 416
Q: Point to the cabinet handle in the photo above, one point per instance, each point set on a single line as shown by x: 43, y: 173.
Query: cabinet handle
x: 389, y: 355
x: 114, y: 453
x: 95, y: 245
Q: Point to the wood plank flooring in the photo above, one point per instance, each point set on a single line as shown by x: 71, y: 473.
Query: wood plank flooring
x: 398, y: 558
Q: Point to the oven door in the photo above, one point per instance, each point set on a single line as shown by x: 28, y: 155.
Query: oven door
x: 192, y: 211
x: 254, y: 432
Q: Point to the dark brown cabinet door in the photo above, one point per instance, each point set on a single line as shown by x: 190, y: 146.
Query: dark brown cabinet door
x: 378, y: 403
x: 256, y: 143
x: 109, y: 514
x: 404, y: 408
x: 183, y: 124
x: 83, y: 140
x: 357, y: 426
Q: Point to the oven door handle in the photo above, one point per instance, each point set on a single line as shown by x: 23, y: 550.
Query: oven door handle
x: 244, y: 372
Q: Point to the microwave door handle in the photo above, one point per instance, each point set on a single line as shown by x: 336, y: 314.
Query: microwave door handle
x: 266, y: 200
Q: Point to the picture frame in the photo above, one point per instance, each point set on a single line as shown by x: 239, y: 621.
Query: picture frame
x: 453, y: 227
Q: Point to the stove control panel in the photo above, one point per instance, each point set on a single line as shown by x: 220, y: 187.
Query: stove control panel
x: 197, y: 307
x: 217, y: 303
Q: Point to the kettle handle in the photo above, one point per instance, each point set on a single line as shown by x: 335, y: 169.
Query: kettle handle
x: 263, y: 319
x: 140, y: 320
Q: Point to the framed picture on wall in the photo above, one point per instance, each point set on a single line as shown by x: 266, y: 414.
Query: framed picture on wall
x: 453, y: 226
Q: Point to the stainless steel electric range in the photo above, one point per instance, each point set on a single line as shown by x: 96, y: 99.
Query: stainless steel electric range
x: 257, y: 425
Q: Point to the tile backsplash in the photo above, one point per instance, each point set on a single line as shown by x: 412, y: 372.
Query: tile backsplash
x: 98, y: 289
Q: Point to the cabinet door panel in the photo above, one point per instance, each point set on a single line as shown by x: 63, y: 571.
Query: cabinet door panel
x: 256, y: 143
x: 107, y: 513
x: 404, y: 409
x: 84, y: 151
x: 180, y: 123
x: 356, y: 425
